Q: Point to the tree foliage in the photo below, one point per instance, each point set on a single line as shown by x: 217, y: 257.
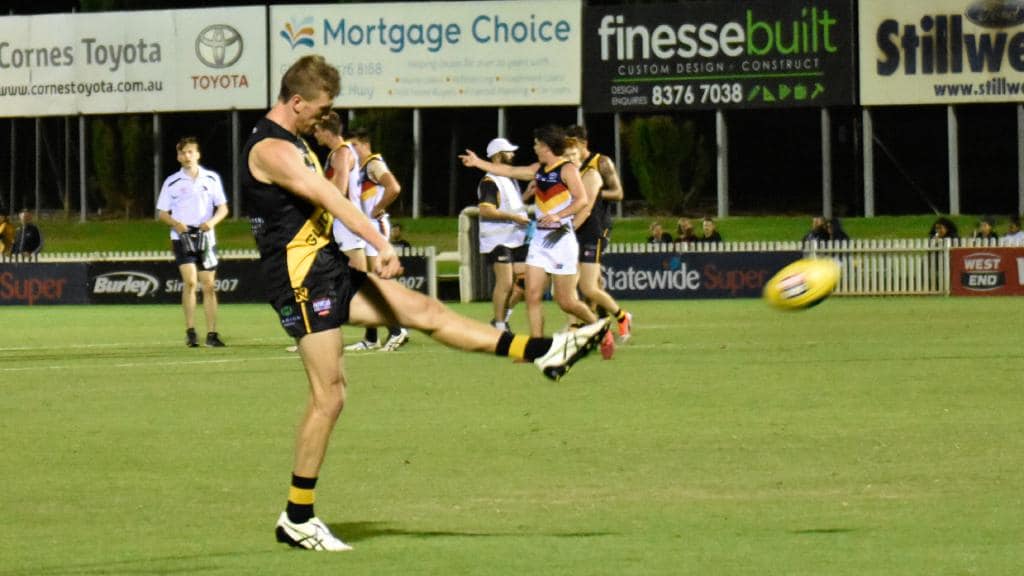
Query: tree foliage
x: 670, y: 161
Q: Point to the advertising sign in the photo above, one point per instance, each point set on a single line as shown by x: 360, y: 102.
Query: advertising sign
x: 941, y: 51
x: 511, y: 53
x: 145, y: 61
x: 672, y: 275
x: 987, y: 271
x: 160, y: 282
x: 705, y: 54
x: 415, y: 273
x: 30, y: 284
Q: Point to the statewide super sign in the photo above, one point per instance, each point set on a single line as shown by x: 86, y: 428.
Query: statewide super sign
x: 701, y: 55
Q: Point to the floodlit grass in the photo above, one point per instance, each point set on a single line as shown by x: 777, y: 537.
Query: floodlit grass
x: 113, y: 235
x: 865, y: 436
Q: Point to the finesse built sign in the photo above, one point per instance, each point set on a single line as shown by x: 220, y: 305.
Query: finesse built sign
x: 672, y: 275
x: 718, y: 55
x: 145, y: 61
x: 437, y: 54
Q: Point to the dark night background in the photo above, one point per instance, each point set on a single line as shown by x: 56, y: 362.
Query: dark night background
x: 775, y: 162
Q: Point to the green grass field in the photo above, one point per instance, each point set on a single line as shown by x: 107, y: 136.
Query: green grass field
x: 865, y: 436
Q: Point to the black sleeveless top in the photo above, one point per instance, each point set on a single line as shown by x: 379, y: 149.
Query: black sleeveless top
x: 298, y: 256
x: 597, y: 222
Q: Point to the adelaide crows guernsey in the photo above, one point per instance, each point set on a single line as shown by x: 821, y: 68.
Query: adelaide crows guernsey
x: 552, y: 192
x: 298, y: 258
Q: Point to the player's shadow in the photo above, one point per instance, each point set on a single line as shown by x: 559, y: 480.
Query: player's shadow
x: 361, y: 531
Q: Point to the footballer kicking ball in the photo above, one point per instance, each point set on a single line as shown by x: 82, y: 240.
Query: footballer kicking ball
x: 802, y: 284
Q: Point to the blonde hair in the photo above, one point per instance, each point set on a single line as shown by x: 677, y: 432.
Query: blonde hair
x: 309, y: 76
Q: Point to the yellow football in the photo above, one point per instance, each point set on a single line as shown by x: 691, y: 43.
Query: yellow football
x: 802, y: 284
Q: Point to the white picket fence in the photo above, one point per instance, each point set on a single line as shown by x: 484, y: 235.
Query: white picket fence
x: 897, y: 267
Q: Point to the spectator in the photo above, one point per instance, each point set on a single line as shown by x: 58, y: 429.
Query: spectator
x: 28, y: 239
x: 835, y: 230
x: 710, y: 231
x: 396, y: 236
x: 658, y: 236
x: 818, y: 233
x: 985, y: 230
x: 944, y: 228
x: 1014, y: 236
x: 684, y: 231
x: 6, y: 234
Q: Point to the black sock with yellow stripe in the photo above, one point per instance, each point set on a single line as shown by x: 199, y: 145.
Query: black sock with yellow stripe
x: 522, y: 347
x: 300, y: 499
x: 620, y: 315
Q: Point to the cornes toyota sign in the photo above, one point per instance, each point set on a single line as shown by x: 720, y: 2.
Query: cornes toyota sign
x: 703, y: 54
x: 120, y: 62
x: 524, y: 52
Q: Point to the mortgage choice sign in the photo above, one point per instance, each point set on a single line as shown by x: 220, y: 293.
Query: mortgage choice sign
x: 437, y: 53
x: 122, y: 62
x: 941, y: 51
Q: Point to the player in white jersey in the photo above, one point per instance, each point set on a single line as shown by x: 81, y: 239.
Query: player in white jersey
x: 378, y: 189
x: 553, y: 250
x: 503, y: 226
x: 192, y: 203
x: 342, y: 169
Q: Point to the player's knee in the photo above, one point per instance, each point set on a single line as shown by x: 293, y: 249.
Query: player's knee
x: 329, y: 401
x: 534, y: 296
x: 189, y: 285
x: 434, y: 312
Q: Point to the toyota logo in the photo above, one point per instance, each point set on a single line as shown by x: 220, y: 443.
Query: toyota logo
x: 219, y: 46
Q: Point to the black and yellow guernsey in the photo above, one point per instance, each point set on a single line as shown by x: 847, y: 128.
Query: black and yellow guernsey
x: 599, y: 210
x: 298, y: 256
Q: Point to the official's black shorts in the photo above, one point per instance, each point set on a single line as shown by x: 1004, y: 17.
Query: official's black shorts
x: 506, y: 255
x: 182, y: 257
x: 320, y: 306
x: 592, y: 245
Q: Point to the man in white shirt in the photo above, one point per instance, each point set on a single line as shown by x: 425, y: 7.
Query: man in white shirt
x: 1013, y: 236
x: 503, y: 230
x: 192, y: 203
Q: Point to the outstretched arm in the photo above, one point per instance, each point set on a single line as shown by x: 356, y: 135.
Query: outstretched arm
x: 471, y: 160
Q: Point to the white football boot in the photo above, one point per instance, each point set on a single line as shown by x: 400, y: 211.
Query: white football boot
x: 312, y: 534
x: 569, y: 347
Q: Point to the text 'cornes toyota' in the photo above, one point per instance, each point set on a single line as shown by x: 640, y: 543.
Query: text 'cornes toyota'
x: 111, y: 56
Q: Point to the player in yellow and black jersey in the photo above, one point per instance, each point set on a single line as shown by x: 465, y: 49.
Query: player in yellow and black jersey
x: 309, y: 284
